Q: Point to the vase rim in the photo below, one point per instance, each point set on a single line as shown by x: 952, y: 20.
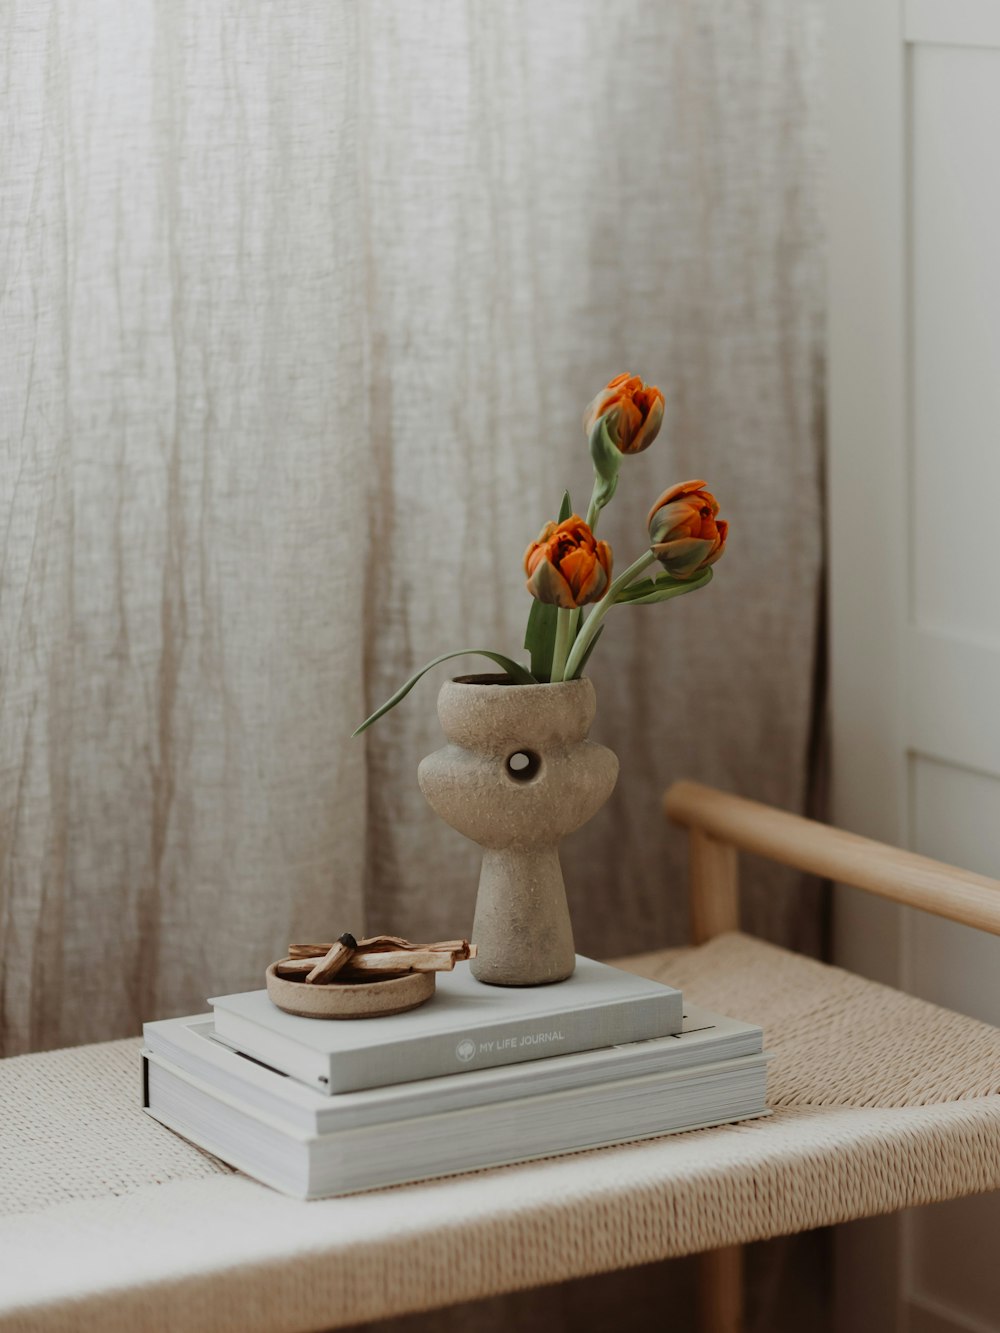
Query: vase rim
x: 500, y: 679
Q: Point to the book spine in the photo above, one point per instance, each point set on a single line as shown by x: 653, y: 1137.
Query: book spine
x: 508, y: 1043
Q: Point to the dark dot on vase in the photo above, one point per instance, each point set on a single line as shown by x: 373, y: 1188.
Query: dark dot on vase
x: 523, y: 765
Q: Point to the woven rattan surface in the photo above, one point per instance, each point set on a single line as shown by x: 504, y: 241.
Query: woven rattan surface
x: 108, y: 1221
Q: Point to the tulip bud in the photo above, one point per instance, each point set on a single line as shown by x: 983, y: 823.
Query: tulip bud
x: 632, y: 413
x: 568, y: 566
x: 684, y: 533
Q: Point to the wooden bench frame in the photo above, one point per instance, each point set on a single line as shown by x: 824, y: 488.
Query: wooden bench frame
x: 360, y: 1255
x: 720, y: 827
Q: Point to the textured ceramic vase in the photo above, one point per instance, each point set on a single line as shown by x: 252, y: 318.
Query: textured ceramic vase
x: 516, y: 776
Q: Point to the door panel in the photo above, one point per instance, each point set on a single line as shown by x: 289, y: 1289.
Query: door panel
x: 954, y: 123
x: 956, y: 818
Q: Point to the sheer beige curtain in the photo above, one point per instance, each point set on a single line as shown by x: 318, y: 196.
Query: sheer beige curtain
x: 301, y: 304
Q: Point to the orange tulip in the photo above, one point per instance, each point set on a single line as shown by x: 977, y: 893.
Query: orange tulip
x: 568, y: 566
x: 684, y: 533
x: 633, y: 413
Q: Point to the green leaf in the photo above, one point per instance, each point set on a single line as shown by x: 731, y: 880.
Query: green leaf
x: 641, y: 588
x: 649, y: 591
x: 590, y: 648
x: 540, y: 637
x: 516, y: 672
x: 540, y: 633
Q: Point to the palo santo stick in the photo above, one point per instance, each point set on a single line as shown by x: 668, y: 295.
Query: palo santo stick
x: 380, y: 943
x: 333, y: 960
x: 294, y: 967
x: 375, y: 942
x: 405, y: 960
x: 385, y: 942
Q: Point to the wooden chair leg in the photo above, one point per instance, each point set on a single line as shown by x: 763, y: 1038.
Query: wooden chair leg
x: 720, y: 1290
x: 714, y: 886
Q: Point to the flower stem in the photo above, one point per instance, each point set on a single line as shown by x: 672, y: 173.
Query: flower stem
x: 594, y: 508
x: 593, y: 513
x: 594, y: 620
x: 564, y: 627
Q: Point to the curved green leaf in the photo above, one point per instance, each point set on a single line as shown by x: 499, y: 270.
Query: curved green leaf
x: 641, y: 588
x: 516, y: 672
x: 648, y: 591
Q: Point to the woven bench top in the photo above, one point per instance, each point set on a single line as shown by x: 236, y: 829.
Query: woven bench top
x: 109, y: 1222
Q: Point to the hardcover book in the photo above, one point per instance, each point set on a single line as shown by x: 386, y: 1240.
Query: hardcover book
x: 188, y: 1045
x: 310, y: 1165
x: 466, y: 1026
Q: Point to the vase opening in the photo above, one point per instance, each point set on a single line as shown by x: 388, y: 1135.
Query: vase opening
x: 501, y: 678
x: 485, y: 678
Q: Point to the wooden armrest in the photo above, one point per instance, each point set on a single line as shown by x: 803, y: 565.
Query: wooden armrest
x: 721, y: 823
x: 720, y: 827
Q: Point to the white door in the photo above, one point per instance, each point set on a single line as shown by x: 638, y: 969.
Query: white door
x: 914, y: 475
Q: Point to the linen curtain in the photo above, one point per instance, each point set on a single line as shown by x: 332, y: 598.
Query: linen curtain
x: 301, y: 304
x: 301, y: 307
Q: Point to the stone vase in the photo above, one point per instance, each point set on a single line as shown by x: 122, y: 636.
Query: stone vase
x: 517, y: 775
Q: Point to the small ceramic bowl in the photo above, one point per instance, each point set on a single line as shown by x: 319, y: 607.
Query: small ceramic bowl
x: 350, y: 999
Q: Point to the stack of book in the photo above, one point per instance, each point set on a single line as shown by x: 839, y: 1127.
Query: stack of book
x: 477, y: 1077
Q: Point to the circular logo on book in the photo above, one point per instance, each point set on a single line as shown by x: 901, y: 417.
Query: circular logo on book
x: 466, y: 1050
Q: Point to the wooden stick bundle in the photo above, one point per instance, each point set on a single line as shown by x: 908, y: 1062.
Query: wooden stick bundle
x: 370, y: 958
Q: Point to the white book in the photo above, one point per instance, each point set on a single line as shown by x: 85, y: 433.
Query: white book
x: 465, y: 1026
x: 188, y: 1044
x: 308, y: 1165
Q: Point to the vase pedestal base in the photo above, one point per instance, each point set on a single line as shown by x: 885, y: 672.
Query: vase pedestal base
x: 522, y: 930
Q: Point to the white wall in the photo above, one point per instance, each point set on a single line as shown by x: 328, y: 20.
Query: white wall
x: 914, y: 487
